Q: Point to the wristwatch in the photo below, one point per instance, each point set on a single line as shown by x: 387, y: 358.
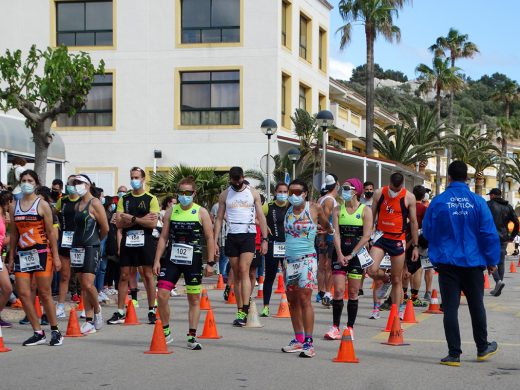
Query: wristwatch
x: 133, y: 219
x: 265, y: 239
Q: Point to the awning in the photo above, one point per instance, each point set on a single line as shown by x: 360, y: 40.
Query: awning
x: 16, y: 139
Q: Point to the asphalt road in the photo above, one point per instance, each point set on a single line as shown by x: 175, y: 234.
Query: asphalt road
x: 113, y: 358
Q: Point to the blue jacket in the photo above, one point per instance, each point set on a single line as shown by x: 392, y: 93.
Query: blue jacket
x: 460, y: 229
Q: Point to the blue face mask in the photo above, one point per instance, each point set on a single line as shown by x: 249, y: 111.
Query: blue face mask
x: 71, y: 190
x: 136, y: 184
x: 112, y: 207
x: 282, y: 197
x: 120, y: 194
x: 27, y: 188
x: 296, y: 200
x: 103, y: 201
x: 185, y: 200
x: 347, y: 195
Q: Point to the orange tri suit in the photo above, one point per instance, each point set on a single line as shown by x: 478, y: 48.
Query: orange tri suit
x: 392, y: 216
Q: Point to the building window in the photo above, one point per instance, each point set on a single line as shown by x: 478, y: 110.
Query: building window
x: 210, y: 98
x: 84, y: 23
x: 322, y: 102
x: 210, y: 21
x: 322, y: 60
x: 98, y: 108
x: 286, y: 100
x: 304, y: 96
x: 304, y: 38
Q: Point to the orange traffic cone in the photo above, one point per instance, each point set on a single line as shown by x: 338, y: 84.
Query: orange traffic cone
x: 232, y: 299
x: 3, y: 348
x: 158, y: 345
x: 38, y: 306
x: 486, y: 281
x: 81, y: 307
x: 512, y: 268
x: 157, y: 315
x: 435, y: 307
x: 127, y: 299
x: 393, y: 313
x: 346, y: 352
x: 373, y: 284
x: 518, y: 262
x: 281, y: 288
x: 409, y: 313
x: 396, y: 334
x: 283, y: 309
x: 220, y: 283
x: 210, y: 328
x: 332, y: 291
x: 260, y: 293
x: 345, y: 296
x: 204, y: 300
x: 131, y: 317
x: 73, y: 325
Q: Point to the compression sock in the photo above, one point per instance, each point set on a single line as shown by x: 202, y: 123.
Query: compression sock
x: 337, y: 309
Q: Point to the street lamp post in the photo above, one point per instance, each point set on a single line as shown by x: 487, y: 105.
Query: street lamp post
x: 325, y: 119
x: 269, y: 128
x: 156, y: 154
x: 294, y: 155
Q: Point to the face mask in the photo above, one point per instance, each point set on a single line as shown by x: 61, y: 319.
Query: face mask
x: 112, y: 207
x: 392, y: 193
x: 347, y: 195
x: 103, y: 201
x: 81, y: 189
x: 120, y: 194
x: 27, y: 188
x: 185, y: 200
x: 296, y: 200
x: 426, y: 196
x: 71, y: 190
x: 282, y: 197
x: 237, y: 187
x: 369, y: 194
x: 136, y: 184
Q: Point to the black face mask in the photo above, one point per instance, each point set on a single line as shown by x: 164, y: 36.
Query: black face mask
x: 368, y: 194
x: 237, y: 187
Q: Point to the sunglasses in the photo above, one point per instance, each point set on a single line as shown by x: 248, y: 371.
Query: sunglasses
x: 185, y: 193
x: 348, y: 188
x: 296, y: 192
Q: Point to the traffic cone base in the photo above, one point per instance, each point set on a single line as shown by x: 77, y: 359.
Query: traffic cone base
x: 220, y: 283
x: 131, y: 317
x: 281, y: 287
x: 435, y: 307
x: 73, y: 329
x: 346, y: 352
x: 409, y: 314
x: 283, y: 309
x: 252, y: 317
x: 393, y: 313
x: 204, y: 300
x: 158, y: 345
x: 210, y: 328
x: 3, y: 348
x: 396, y: 334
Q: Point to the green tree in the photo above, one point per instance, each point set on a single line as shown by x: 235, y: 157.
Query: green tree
x: 440, y: 77
x: 42, y: 86
x: 377, y: 16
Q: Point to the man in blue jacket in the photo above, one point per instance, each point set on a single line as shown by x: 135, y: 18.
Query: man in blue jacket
x: 463, y: 242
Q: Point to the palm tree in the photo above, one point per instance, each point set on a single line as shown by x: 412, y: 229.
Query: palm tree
x: 378, y: 18
x: 454, y: 46
x: 513, y: 169
x: 209, y: 183
x: 440, y: 77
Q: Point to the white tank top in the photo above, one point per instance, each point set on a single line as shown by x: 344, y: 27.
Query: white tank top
x: 240, y: 210
x: 322, y: 200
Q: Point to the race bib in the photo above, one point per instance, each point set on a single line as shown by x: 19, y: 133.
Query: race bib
x: 364, y: 258
x: 66, y: 239
x: 77, y: 257
x: 182, y: 254
x: 135, y: 238
x: 1, y: 264
x: 376, y: 236
x: 29, y: 261
x: 279, y: 249
x: 386, y: 263
x: 425, y: 262
x: 293, y: 271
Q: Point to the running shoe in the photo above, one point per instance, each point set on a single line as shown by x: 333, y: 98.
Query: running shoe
x: 169, y: 338
x: 491, y: 349
x: 265, y: 312
x: 173, y: 292
x: 136, y: 303
x: 112, y: 291
x: 427, y: 296
x: 307, y: 351
x: 318, y: 297
x: 75, y: 298
x: 401, y: 314
x: 333, y: 334
x: 450, y: 361
x: 360, y: 292
x: 193, y: 344
x: 88, y: 328
x: 56, y: 338
x: 116, y: 318
x: 35, y: 339
x: 293, y: 347
x: 498, y: 288
x: 418, y: 303
x: 102, y: 297
x: 98, y: 320
x: 226, y: 293
x: 241, y: 319
x: 5, y: 324
x: 17, y: 304
x: 381, y: 293
x: 152, y: 317
x: 44, y: 320
x: 24, y: 321
x: 351, y: 329
x: 386, y: 305
x: 60, y: 310
x: 326, y: 301
x: 375, y: 315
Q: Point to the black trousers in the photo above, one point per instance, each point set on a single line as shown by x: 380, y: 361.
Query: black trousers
x: 271, y: 268
x: 453, y: 280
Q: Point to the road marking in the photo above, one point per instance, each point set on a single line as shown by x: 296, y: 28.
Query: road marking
x: 420, y: 317
x: 434, y: 341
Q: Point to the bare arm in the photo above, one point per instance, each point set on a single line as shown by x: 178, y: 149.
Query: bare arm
x: 375, y: 202
x: 45, y: 211
x: 98, y: 212
x: 337, y: 239
x: 414, y: 225
x: 220, y: 218
x: 367, y: 230
x: 163, y: 240
x: 205, y: 220
x: 14, y: 236
x: 323, y: 221
x: 262, y: 222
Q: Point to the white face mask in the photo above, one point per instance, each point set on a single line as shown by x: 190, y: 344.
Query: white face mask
x: 392, y: 193
x: 81, y: 189
x: 426, y: 196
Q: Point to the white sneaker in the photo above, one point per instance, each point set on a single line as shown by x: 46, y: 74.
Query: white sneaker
x: 174, y: 293
x: 98, y: 320
x: 102, y: 297
x: 60, y: 311
x: 88, y: 328
x: 111, y: 291
x: 169, y: 338
x: 82, y: 314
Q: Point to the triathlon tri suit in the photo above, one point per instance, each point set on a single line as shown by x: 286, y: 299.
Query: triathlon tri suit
x: 33, y: 253
x: 85, y: 253
x: 241, y: 213
x: 184, y: 252
x: 413, y: 266
x: 392, y: 216
x: 328, y: 247
x: 301, y: 264
x: 350, y: 232
x: 137, y: 244
x: 66, y: 208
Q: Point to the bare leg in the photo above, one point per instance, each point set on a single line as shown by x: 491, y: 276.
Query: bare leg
x: 43, y: 284
x: 64, y: 278
x: 163, y: 296
x: 397, y: 279
x: 89, y: 293
x: 123, y: 287
x: 194, y: 310
x: 296, y: 311
x: 304, y: 296
x: 147, y: 275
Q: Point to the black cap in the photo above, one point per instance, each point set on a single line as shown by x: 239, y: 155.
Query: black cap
x: 236, y: 172
x: 495, y: 191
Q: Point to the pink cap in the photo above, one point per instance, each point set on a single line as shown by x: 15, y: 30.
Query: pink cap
x: 357, y: 184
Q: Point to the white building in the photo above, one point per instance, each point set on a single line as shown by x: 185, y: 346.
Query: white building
x: 192, y: 78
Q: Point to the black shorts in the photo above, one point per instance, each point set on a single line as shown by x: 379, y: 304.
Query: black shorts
x: 353, y: 268
x: 138, y: 256
x: 170, y: 274
x: 257, y: 260
x: 62, y: 251
x: 90, y: 262
x: 392, y: 247
x: 239, y: 243
x: 412, y: 266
